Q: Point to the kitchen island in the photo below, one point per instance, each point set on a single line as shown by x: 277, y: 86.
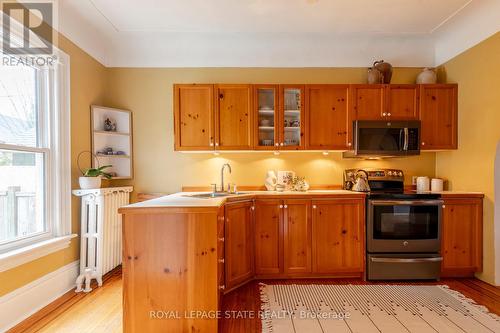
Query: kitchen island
x: 181, y: 253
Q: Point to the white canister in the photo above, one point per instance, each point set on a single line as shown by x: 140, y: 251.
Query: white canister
x: 423, y: 184
x: 437, y: 185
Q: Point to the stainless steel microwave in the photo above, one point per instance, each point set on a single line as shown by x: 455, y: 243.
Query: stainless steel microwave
x: 385, y: 138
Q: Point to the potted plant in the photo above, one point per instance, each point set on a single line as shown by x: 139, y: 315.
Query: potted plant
x: 92, y: 176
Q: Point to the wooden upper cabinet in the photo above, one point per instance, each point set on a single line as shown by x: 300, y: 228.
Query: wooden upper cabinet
x: 368, y: 101
x: 439, y: 117
x: 194, y: 116
x: 297, y: 236
x: 268, y: 237
x: 291, y: 127
x: 233, y: 117
x: 402, y: 101
x: 338, y: 235
x: 327, y: 108
x: 266, y: 118
x: 462, y: 237
x: 238, y: 245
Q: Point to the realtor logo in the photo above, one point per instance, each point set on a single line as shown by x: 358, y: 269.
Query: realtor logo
x: 36, y: 19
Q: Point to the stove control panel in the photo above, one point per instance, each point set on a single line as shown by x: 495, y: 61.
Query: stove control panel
x: 375, y: 174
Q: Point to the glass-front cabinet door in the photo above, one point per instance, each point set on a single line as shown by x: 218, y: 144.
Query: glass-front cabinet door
x: 292, y: 117
x: 267, y: 108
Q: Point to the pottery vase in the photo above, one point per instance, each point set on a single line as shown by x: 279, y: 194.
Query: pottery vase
x: 427, y: 76
x: 271, y: 180
x: 374, y: 76
x: 385, y: 68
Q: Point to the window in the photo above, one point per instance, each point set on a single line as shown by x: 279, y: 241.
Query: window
x: 35, y: 190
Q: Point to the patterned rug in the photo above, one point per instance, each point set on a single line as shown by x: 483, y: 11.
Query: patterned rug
x: 371, y: 308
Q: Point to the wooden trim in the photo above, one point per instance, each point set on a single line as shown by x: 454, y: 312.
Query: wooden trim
x: 50, y: 312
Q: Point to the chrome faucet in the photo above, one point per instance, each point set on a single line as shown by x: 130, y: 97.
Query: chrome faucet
x: 222, y: 175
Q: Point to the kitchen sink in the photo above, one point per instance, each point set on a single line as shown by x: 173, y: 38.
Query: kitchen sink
x: 213, y: 195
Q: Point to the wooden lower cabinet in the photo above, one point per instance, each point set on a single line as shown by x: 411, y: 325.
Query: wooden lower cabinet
x: 268, y: 237
x: 338, y: 228
x: 169, y: 266
x: 238, y: 244
x: 297, y: 236
x: 462, y: 237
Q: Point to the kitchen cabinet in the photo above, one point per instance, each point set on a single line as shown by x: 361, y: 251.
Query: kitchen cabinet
x: 297, y: 236
x: 238, y: 244
x: 438, y: 116
x: 338, y: 229
x: 268, y: 237
x: 368, y: 101
x: 168, y: 265
x: 461, y: 237
x: 292, y: 115
x: 327, y: 117
x: 194, y: 116
x: 401, y: 102
x: 267, y: 118
x: 233, y: 117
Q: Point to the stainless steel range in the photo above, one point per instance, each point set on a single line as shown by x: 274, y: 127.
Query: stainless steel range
x: 403, y: 229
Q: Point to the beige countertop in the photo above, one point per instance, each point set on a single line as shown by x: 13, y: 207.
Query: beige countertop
x: 183, y: 199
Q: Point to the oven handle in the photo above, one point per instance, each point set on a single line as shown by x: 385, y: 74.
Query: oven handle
x: 407, y: 202
x: 407, y: 260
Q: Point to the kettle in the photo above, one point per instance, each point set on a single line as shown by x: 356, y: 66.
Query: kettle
x: 361, y: 182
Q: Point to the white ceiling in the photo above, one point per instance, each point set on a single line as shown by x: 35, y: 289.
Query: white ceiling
x: 278, y: 33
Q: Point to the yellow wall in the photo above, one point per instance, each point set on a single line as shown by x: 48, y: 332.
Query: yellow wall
x: 471, y: 167
x: 88, y: 78
x: 148, y: 93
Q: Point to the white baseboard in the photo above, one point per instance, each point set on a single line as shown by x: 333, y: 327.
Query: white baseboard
x: 25, y: 301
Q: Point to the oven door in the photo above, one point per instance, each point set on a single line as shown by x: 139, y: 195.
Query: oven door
x: 402, y: 226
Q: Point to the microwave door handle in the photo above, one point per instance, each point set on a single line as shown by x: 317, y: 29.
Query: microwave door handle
x: 401, y: 147
x: 406, y: 139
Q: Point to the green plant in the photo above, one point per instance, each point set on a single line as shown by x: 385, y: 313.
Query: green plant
x: 96, y: 172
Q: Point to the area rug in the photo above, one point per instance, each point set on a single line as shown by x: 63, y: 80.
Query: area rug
x: 371, y: 308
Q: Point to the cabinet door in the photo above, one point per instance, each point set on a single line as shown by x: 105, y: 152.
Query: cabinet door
x: 239, y: 244
x: 402, y: 101
x: 233, y: 121
x: 291, y: 123
x: 338, y: 235
x: 438, y: 114
x: 194, y: 116
x: 327, y: 116
x: 368, y: 101
x: 162, y: 261
x: 297, y: 236
x: 268, y: 237
x: 462, y: 237
x: 266, y: 105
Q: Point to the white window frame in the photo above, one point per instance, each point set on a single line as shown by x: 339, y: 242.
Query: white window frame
x: 55, y: 115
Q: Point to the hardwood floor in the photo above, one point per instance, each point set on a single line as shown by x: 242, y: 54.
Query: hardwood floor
x: 101, y: 311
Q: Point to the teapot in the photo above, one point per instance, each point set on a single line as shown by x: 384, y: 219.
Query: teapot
x: 361, y: 182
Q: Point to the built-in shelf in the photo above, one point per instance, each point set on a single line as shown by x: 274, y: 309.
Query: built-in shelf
x: 111, y: 133
x: 295, y: 112
x: 113, y: 156
x: 265, y: 112
x: 117, y: 138
x: 292, y: 128
x: 266, y: 128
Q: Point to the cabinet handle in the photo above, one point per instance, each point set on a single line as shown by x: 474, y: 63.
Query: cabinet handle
x: 314, y: 206
x: 216, y: 144
x: 281, y: 144
x: 349, y: 144
x: 384, y: 114
x: 389, y: 114
x: 222, y: 287
x: 221, y: 239
x: 285, y: 206
x: 252, y: 208
x: 281, y: 206
x: 221, y: 261
x: 276, y: 144
x: 423, y: 143
x: 444, y: 206
x: 211, y: 144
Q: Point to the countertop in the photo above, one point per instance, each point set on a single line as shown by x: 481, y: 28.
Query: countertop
x: 182, y: 199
